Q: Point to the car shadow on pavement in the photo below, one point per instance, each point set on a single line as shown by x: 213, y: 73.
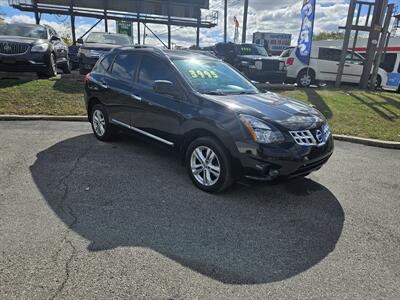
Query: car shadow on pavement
x: 132, y: 194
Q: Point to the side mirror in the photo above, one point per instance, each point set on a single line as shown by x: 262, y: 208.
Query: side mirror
x: 166, y: 87
x: 80, y: 41
x: 55, y: 39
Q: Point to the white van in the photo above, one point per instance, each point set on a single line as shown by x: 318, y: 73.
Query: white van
x: 324, y: 62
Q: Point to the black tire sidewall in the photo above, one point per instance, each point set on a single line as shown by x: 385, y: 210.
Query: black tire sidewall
x: 51, y: 72
x: 109, y: 130
x: 225, y: 175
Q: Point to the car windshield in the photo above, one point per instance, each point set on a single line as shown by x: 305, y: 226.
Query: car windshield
x: 24, y: 30
x: 105, y: 38
x: 251, y: 49
x: 214, y: 77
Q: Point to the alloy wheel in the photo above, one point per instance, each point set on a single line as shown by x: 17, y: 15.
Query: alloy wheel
x: 205, y: 166
x: 99, y: 122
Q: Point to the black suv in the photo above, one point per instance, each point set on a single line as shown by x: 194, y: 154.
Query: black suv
x: 97, y: 44
x: 222, y: 126
x: 32, y: 48
x: 253, y: 61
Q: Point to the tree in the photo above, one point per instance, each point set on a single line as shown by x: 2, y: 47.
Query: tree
x: 67, y: 39
x: 326, y: 35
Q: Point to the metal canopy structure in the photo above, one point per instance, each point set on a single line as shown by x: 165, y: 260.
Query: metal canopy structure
x: 184, y: 13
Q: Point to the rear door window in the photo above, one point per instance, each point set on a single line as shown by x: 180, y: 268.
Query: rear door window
x: 125, y: 65
x: 329, y: 54
x: 388, y: 62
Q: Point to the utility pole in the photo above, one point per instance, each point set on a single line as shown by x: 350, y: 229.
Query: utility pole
x: 246, y: 9
x: 382, y: 44
x: 346, y: 41
x: 380, y: 7
x: 225, y: 19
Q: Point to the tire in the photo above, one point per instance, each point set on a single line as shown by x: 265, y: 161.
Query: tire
x: 378, y: 82
x: 51, y: 68
x: 102, y: 129
x: 305, y: 79
x: 208, y: 151
x: 66, y: 67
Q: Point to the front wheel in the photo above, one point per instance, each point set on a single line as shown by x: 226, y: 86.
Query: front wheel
x: 66, y: 68
x: 51, y: 68
x: 208, y: 165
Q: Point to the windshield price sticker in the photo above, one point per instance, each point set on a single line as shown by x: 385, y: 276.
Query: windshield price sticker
x: 209, y: 74
x: 245, y: 50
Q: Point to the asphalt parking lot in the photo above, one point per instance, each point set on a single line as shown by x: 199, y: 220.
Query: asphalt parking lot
x: 84, y: 219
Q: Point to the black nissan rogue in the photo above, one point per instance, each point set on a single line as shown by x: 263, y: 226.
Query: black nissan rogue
x: 222, y: 126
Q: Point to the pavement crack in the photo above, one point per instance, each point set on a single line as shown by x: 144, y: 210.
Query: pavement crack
x: 67, y: 269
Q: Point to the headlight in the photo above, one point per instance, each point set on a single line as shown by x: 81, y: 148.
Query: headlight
x: 261, y: 132
x: 40, y: 48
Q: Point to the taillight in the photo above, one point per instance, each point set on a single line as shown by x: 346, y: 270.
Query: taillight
x: 290, y: 61
x: 86, y: 78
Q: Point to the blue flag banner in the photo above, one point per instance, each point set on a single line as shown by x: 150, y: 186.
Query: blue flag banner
x: 304, y: 42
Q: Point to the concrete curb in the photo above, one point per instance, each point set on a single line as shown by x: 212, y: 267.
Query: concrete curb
x: 368, y: 142
x: 339, y: 137
x: 42, y: 118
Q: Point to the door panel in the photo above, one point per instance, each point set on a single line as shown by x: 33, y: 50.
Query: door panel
x: 161, y: 113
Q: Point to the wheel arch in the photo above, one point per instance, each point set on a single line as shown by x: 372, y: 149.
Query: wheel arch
x: 91, y: 102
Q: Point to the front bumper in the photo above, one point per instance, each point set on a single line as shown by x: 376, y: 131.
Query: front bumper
x: 267, y: 162
x: 86, y: 63
x: 266, y: 76
x: 30, y: 62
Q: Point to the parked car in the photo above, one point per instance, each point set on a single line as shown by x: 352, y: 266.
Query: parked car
x: 218, y: 121
x: 253, y: 61
x: 324, y: 63
x: 73, y: 56
x: 97, y: 44
x: 32, y: 48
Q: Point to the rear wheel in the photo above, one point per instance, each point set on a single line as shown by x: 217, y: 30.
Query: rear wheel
x: 208, y: 165
x: 102, y: 129
x: 305, y: 78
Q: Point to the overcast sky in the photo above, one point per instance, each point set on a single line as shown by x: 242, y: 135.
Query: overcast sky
x: 281, y: 16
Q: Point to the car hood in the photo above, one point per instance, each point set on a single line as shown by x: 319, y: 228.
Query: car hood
x: 259, y: 57
x: 20, y: 39
x: 102, y: 47
x: 275, y: 109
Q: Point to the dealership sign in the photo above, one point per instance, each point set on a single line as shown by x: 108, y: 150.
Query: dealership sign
x: 306, y: 34
x: 124, y: 27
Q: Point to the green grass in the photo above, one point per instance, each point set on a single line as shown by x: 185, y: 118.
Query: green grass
x: 355, y: 112
x: 349, y: 111
x: 42, y: 97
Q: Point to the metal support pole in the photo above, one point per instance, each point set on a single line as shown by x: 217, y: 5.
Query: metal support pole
x: 71, y: 11
x: 169, y: 24
x: 35, y: 9
x: 138, y: 21
x: 198, y: 28
x: 382, y: 44
x: 376, y: 27
x: 246, y: 9
x: 346, y: 41
x: 225, y: 19
x: 105, y: 21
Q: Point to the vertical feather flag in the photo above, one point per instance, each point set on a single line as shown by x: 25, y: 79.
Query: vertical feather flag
x: 304, y: 42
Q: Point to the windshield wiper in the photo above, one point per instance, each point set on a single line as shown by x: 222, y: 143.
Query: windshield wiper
x: 214, y: 93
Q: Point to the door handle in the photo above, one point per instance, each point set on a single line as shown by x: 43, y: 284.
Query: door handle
x: 104, y: 85
x: 136, y: 97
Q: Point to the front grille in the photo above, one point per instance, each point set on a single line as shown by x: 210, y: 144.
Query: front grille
x: 303, y: 137
x: 11, y: 48
x: 307, y: 138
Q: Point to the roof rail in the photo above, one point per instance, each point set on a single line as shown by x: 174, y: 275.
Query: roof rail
x: 138, y: 46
